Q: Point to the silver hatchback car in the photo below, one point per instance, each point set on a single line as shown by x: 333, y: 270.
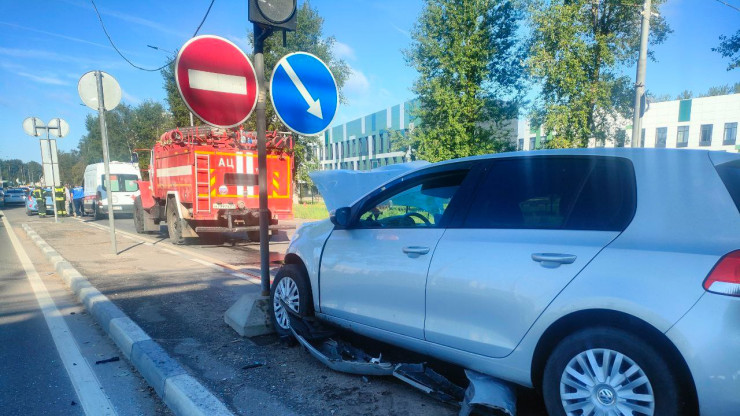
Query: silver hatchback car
x: 608, y: 279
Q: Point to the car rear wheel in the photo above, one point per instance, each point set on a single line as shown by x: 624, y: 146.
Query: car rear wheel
x: 606, y: 371
x: 96, y: 212
x: 292, y: 287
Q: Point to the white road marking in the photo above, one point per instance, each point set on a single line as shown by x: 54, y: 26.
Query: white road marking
x: 213, y: 81
x: 314, y: 107
x: 86, y: 384
x: 240, y: 275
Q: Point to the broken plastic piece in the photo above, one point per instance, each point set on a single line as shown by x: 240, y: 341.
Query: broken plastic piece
x: 430, y: 382
x: 487, y: 395
x: 340, y: 356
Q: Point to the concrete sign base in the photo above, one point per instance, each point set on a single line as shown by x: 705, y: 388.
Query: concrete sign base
x: 250, y: 315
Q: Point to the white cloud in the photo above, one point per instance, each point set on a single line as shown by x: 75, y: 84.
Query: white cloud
x: 131, y: 99
x: 401, y: 31
x: 356, y: 84
x: 52, y: 80
x: 342, y: 50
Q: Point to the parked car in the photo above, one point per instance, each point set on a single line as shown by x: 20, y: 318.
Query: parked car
x: 609, y: 279
x: 14, y: 196
x: 32, y: 206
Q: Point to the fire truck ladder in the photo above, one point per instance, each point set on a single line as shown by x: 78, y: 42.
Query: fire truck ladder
x: 202, y: 183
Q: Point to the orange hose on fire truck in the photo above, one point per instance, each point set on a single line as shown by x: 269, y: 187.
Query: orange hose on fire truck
x: 204, y: 180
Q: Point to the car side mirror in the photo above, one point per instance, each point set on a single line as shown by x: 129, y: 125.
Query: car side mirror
x: 340, y: 216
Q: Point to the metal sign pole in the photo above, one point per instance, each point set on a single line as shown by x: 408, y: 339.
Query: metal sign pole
x: 259, y: 67
x: 53, y: 178
x: 106, y: 161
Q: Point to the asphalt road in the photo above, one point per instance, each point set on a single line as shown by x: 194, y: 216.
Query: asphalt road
x: 49, y: 354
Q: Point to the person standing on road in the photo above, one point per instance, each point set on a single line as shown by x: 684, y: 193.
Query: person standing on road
x: 38, y: 194
x: 78, y: 193
x: 68, y: 200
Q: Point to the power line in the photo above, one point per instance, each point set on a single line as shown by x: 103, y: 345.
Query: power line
x: 728, y: 5
x: 124, y: 57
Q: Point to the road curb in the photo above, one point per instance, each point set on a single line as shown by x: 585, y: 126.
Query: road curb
x: 182, y: 393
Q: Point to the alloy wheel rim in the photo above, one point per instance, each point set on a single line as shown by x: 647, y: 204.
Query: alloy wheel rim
x: 287, y: 291
x: 601, y: 381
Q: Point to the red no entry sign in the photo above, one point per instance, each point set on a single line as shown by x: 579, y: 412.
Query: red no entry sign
x: 216, y: 80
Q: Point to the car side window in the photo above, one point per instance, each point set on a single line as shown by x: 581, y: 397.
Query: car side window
x: 418, y: 204
x: 574, y: 193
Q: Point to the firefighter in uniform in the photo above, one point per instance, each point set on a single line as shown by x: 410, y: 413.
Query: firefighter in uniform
x: 61, y: 200
x: 38, y: 195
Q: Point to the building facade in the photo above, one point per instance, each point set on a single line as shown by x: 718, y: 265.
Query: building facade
x: 699, y: 123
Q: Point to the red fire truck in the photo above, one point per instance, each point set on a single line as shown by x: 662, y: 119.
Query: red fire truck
x: 203, y: 181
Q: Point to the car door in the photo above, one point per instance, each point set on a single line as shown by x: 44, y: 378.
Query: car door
x: 531, y: 227
x: 374, y: 271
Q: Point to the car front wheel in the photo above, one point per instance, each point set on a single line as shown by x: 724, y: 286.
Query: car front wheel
x: 292, y: 288
x: 606, y: 371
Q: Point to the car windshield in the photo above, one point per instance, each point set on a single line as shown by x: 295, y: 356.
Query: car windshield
x: 122, y: 182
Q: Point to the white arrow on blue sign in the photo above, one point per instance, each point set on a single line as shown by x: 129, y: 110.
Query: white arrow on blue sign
x: 304, y: 93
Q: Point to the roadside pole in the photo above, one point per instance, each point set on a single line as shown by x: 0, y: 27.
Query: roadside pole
x: 106, y: 161
x: 640, y: 76
x: 259, y: 67
x: 53, y: 177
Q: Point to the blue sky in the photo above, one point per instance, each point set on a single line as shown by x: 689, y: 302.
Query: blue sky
x: 45, y: 46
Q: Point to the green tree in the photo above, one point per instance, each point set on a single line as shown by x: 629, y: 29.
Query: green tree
x: 470, y: 77
x: 718, y: 90
x: 177, y: 107
x: 730, y: 48
x: 685, y: 95
x: 578, y: 51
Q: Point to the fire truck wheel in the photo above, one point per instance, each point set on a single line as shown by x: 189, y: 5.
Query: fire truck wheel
x: 138, y: 216
x: 254, y: 236
x: 173, y: 224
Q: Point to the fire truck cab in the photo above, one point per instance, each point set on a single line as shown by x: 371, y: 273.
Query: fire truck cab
x: 203, y: 180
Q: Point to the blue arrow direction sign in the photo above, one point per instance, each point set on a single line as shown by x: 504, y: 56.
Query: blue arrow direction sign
x: 304, y: 93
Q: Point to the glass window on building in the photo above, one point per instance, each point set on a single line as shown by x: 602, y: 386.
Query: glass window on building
x: 661, y: 134
x: 682, y: 136
x: 642, y: 138
x: 706, y: 135
x: 520, y: 145
x: 532, y: 141
x: 730, y: 136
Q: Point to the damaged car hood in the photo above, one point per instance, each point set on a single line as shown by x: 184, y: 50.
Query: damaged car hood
x: 342, y: 187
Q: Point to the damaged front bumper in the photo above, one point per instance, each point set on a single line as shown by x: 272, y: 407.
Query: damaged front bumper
x: 484, y: 394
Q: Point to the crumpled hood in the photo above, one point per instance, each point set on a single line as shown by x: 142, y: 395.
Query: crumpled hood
x: 342, y: 187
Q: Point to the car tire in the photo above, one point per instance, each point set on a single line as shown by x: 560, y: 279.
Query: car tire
x: 174, y: 227
x: 28, y: 212
x: 96, y: 212
x: 289, y: 282
x: 138, y: 216
x: 253, y: 236
x: 616, y: 354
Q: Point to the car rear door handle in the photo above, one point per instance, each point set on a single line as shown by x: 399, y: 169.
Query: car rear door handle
x: 418, y: 250
x: 553, y: 259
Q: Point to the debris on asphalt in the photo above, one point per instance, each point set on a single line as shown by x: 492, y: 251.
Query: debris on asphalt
x: 253, y: 365
x: 108, y: 360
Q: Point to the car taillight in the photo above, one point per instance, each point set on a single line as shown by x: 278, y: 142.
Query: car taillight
x: 725, y: 276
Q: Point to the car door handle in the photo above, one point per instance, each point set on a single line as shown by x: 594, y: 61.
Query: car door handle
x: 416, y: 250
x: 553, y: 259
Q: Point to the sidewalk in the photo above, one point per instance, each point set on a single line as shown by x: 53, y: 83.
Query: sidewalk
x: 180, y: 303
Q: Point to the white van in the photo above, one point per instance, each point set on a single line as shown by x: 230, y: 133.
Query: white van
x: 123, y: 177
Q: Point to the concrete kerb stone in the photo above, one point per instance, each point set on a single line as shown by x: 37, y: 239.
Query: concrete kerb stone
x: 125, y: 333
x: 181, y: 390
x: 186, y: 395
x: 154, y: 364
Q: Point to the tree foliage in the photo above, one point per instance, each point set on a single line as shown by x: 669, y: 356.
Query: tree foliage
x: 129, y: 128
x: 578, y: 51
x: 730, y: 48
x: 16, y: 171
x: 470, y: 76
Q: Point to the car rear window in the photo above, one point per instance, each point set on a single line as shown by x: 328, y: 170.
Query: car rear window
x: 730, y: 174
x: 572, y: 193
